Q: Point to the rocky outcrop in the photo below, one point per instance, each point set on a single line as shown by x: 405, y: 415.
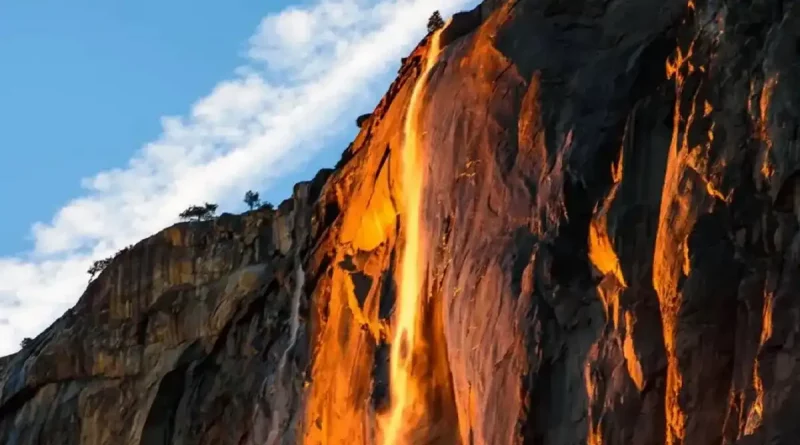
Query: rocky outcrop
x: 361, y: 120
x: 611, y: 224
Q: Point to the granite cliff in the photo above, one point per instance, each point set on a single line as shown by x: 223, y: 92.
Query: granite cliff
x: 605, y: 251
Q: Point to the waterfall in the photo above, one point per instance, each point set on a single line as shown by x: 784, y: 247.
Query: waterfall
x: 280, y: 405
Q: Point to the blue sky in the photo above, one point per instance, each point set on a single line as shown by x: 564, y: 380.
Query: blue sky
x: 85, y: 82
x: 117, y: 115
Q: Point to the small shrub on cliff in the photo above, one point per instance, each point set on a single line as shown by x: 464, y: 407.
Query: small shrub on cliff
x: 435, y: 22
x: 211, y: 209
x: 252, y: 199
x: 199, y: 213
x: 98, y: 266
x: 267, y: 205
x: 26, y: 343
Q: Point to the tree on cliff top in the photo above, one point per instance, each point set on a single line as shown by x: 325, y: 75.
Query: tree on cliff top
x: 98, y: 266
x: 435, y: 22
x: 252, y: 199
x: 199, y: 213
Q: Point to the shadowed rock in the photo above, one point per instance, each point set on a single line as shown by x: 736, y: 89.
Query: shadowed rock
x: 360, y: 120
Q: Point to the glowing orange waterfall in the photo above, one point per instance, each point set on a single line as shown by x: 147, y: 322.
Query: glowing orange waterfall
x: 403, y: 387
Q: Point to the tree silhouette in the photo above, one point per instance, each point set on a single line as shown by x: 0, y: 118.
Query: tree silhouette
x: 267, y: 205
x: 199, y: 213
x: 252, y: 199
x: 435, y: 22
x: 211, y: 209
x: 98, y: 266
x: 26, y: 342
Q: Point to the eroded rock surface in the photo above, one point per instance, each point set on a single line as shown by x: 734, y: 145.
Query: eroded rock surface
x: 612, y: 220
x: 175, y: 340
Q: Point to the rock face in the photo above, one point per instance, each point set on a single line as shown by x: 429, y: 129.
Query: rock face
x: 611, y: 219
x: 173, y: 342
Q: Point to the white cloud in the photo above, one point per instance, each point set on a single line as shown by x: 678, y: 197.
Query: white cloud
x: 306, y: 67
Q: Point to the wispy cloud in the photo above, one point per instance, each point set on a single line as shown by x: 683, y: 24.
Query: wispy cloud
x: 306, y: 67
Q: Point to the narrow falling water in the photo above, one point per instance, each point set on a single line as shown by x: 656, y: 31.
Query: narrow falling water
x: 405, y: 395
x: 282, y: 395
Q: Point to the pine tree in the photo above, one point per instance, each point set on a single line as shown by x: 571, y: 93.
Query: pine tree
x: 98, y: 266
x: 435, y: 22
x: 199, y: 213
x: 252, y: 199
